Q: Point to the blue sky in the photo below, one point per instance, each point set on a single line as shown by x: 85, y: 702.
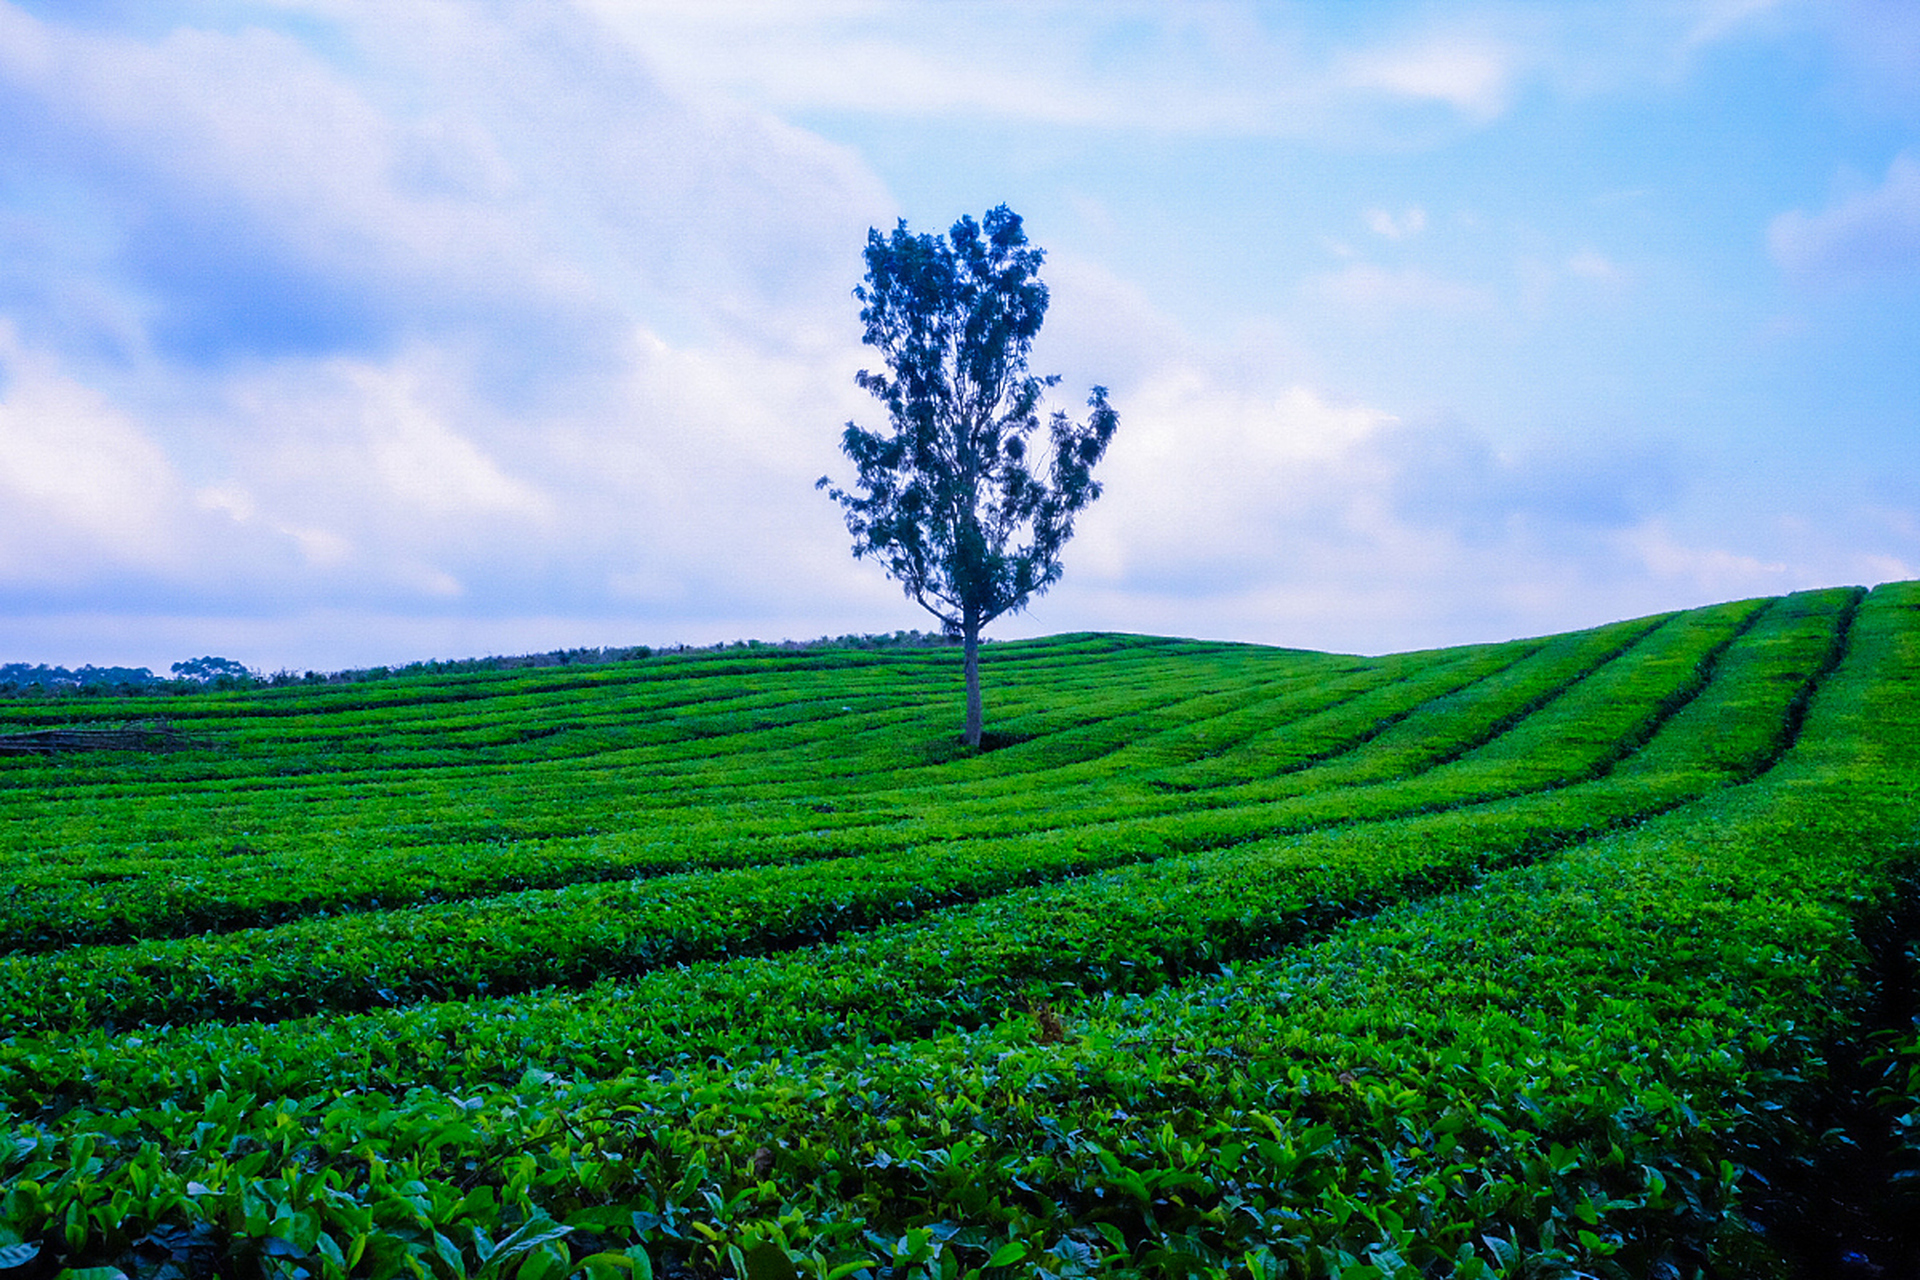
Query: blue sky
x: 336, y: 332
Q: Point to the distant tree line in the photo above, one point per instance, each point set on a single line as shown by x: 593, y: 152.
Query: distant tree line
x: 19, y: 676
x: 224, y: 673
x: 194, y: 673
x: 632, y: 653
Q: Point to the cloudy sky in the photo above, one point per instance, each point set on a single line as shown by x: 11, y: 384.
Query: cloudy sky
x: 337, y: 332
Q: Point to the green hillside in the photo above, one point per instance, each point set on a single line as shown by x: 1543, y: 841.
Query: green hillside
x: 1589, y: 955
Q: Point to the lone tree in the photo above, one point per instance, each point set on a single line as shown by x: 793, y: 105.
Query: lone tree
x: 959, y: 501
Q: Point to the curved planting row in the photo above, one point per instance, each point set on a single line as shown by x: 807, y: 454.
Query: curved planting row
x: 1432, y: 1048
x: 251, y: 877
x: 569, y: 936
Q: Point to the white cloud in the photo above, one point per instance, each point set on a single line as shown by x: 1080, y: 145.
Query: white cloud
x: 1234, y: 68
x: 1473, y: 76
x: 1875, y: 569
x: 677, y: 480
x: 371, y: 288
x: 1366, y: 289
x: 1590, y: 265
x: 530, y: 184
x: 1204, y: 479
x: 1716, y: 20
x: 1025, y: 61
x: 83, y: 490
x: 1383, y: 223
x: 1713, y: 572
x: 428, y: 465
x: 259, y: 169
x: 1293, y: 518
x: 1227, y: 67
x: 1867, y: 233
x: 447, y: 327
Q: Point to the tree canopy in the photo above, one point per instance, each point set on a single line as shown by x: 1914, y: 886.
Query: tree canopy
x: 963, y: 499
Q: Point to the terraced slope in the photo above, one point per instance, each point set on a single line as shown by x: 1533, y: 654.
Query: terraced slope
x: 1535, y: 958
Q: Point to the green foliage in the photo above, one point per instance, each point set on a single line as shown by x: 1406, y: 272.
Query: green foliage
x: 1508, y: 960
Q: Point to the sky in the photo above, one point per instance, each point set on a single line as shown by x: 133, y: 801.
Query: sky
x: 338, y: 332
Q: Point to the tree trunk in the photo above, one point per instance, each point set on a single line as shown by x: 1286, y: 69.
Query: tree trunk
x: 970, y: 631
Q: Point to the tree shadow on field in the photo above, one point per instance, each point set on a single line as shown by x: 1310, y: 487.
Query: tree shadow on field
x: 943, y: 750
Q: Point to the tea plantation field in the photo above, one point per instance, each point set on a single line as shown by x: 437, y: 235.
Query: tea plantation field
x: 1589, y: 955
